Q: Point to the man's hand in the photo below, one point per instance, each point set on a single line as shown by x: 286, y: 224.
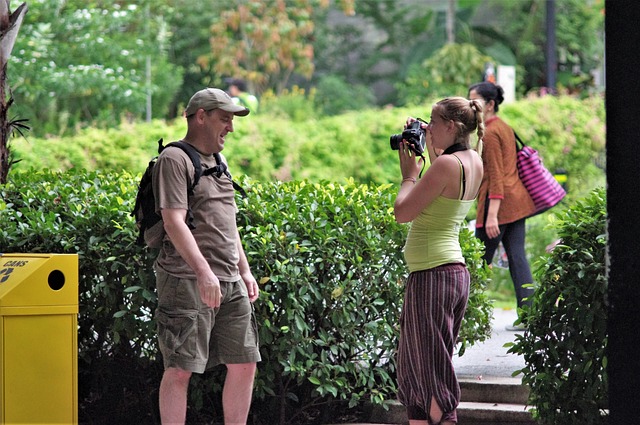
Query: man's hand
x: 252, y: 286
x: 209, y: 288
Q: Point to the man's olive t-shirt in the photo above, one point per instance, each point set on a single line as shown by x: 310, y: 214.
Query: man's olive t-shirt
x: 214, y: 214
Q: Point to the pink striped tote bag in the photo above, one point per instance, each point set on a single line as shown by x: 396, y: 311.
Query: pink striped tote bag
x: 543, y: 188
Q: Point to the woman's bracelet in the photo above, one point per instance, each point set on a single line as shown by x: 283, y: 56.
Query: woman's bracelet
x: 409, y: 179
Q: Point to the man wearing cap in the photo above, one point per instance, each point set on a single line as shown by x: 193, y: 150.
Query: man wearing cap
x: 205, y: 287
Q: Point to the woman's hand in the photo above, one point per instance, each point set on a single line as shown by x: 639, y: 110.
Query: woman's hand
x: 491, y: 227
x: 428, y: 141
x: 409, y: 166
x: 409, y: 121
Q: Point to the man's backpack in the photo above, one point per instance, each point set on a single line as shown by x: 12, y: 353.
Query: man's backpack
x: 148, y: 221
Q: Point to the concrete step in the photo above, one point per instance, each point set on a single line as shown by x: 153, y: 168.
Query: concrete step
x: 493, y: 389
x: 473, y: 413
x: 469, y: 413
x: 486, y: 400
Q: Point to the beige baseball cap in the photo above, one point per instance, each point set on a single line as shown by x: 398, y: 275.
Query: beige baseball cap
x: 212, y: 98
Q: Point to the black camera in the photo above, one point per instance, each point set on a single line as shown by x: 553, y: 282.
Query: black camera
x: 414, y: 134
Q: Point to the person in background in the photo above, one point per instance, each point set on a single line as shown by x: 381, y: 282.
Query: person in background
x: 437, y: 289
x: 238, y: 92
x: 205, y: 287
x: 503, y: 201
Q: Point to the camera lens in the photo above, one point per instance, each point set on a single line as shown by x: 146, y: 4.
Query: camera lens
x: 395, y: 141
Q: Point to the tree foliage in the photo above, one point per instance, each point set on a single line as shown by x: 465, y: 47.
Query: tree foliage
x: 265, y: 42
x: 376, y: 45
x: 515, y: 32
x: 80, y: 61
x: 448, y: 72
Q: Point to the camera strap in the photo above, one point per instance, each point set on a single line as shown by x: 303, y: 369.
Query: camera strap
x: 424, y: 164
x: 457, y: 147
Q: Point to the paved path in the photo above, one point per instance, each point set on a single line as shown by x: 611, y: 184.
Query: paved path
x: 490, y: 358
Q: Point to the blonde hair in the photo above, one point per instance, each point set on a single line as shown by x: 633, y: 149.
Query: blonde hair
x: 466, y: 115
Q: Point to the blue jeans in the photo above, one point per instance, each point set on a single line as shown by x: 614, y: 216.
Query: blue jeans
x: 512, y: 237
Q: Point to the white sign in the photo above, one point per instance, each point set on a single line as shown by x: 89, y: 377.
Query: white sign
x: 506, y: 78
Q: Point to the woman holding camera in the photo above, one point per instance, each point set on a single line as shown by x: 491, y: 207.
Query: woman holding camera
x: 437, y: 288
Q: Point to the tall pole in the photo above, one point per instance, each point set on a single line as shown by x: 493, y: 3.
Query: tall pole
x: 450, y: 22
x: 148, y: 84
x: 552, y: 59
x: 148, y: 66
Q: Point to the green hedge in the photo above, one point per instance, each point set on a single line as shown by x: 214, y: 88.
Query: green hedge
x: 568, y: 132
x: 329, y: 261
x: 565, y: 342
x: 289, y: 141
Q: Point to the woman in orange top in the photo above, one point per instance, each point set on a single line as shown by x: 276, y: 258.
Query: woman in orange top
x: 503, y: 201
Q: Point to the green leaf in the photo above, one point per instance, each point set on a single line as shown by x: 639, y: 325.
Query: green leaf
x: 314, y: 380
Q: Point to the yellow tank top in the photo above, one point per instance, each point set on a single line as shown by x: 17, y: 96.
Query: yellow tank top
x: 433, y: 236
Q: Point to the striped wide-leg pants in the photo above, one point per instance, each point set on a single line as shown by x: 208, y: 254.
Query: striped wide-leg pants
x: 434, y: 305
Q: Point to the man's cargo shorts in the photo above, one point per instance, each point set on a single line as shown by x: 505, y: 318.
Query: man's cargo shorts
x: 195, y: 337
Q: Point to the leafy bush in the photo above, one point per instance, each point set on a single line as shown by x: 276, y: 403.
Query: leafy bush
x: 329, y: 260
x: 569, y: 133
x: 129, y: 147
x: 565, y: 342
x: 335, y: 96
x: 448, y: 72
x: 295, y: 104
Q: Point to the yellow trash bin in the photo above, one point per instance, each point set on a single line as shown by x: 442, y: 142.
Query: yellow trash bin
x: 38, y: 338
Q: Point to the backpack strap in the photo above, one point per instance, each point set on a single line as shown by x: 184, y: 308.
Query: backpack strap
x: 220, y: 169
x: 194, y: 156
x: 197, y: 165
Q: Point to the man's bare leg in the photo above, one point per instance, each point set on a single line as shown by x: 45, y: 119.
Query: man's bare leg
x: 173, y: 396
x: 237, y: 392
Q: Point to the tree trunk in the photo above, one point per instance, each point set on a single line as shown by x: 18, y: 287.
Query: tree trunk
x: 5, y: 131
x: 9, y: 26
